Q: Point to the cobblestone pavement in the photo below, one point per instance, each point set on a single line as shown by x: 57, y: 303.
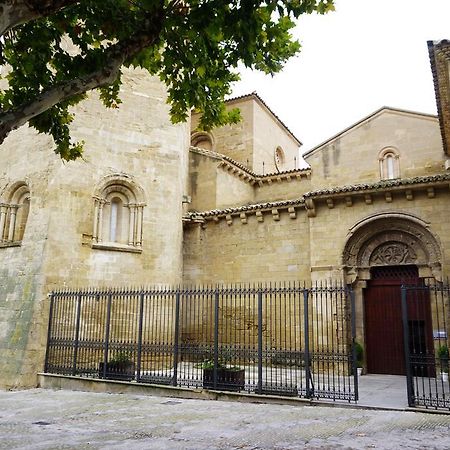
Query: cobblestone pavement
x: 46, y: 419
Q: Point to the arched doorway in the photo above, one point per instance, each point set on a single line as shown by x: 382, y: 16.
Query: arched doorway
x: 384, y: 338
x: 382, y: 253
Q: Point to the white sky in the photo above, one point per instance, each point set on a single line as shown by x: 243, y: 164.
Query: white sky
x: 366, y: 54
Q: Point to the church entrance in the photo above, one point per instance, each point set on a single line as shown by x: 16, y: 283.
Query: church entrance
x: 385, y: 352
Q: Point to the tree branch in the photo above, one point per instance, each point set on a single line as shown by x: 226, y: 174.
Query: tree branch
x: 17, y: 12
x: 115, y: 56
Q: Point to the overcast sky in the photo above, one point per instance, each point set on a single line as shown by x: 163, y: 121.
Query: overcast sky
x: 366, y: 54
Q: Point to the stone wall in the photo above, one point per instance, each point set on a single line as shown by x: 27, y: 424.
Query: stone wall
x: 136, y: 143
x: 265, y: 248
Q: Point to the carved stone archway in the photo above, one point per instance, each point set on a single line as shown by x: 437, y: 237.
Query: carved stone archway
x: 388, y: 239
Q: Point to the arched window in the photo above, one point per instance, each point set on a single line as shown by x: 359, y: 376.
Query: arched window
x: 14, y: 213
x: 118, y: 214
x: 280, y: 159
x: 201, y: 139
x: 389, y: 160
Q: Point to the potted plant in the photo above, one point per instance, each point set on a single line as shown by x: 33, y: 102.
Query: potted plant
x: 359, y: 357
x: 229, y: 378
x: 120, y: 367
x: 443, y: 355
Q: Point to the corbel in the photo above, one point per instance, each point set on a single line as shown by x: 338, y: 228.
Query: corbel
x: 430, y: 192
x: 229, y: 219
x: 310, y: 207
x: 275, y: 214
x: 243, y: 217
x: 368, y: 199
x: 259, y: 216
x: 348, y: 201
x: 388, y: 197
x: 409, y: 194
x: 330, y: 203
x: 292, y: 212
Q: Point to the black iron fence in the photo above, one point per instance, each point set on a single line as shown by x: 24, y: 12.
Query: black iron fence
x: 425, y: 312
x: 263, y: 339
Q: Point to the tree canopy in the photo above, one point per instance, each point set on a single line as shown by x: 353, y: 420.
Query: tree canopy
x: 193, y: 46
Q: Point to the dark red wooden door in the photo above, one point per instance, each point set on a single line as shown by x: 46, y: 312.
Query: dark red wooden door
x: 383, y: 319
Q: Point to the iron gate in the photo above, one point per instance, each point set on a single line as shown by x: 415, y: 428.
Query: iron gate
x: 282, y: 339
x: 425, y: 317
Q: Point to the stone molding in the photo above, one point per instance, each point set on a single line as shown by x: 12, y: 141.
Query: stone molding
x: 238, y: 170
x: 348, y: 194
x: 274, y: 208
x: 390, y: 238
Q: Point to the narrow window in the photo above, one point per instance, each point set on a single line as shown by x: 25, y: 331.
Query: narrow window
x: 115, y: 219
x: 390, y: 167
x: 389, y: 160
x: 118, y: 216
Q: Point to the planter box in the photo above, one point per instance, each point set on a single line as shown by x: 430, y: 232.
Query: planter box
x: 117, y: 371
x: 227, y: 380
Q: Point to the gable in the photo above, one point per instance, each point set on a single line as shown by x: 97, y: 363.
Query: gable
x: 355, y: 155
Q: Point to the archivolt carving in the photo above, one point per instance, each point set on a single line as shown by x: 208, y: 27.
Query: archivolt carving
x: 393, y: 253
x: 391, y: 239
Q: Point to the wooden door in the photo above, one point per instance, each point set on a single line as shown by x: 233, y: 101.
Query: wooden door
x: 383, y: 319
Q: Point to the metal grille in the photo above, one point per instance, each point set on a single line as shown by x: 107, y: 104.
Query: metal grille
x: 394, y: 272
x: 284, y: 340
x: 425, y: 312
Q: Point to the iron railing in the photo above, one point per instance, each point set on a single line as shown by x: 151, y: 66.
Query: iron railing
x: 283, y: 339
x: 425, y: 313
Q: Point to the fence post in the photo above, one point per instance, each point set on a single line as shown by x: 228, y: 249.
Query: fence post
x: 260, y: 347
x: 353, y: 325
x: 409, y: 380
x: 176, y: 338
x: 108, y: 323
x: 139, y: 346
x: 307, y: 356
x: 49, y: 331
x: 216, y: 336
x: 77, y: 336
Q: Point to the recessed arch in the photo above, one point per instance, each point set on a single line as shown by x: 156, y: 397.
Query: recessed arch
x: 118, y: 212
x: 280, y: 159
x: 14, y: 211
x: 389, y: 162
x: 203, y: 139
x: 391, y: 239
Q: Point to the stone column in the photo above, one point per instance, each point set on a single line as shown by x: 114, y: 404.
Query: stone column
x: 100, y: 221
x: 12, y: 222
x: 3, y: 211
x: 95, y: 230
x: 131, y: 224
x: 140, y: 210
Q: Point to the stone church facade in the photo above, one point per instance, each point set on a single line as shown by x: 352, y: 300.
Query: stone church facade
x: 154, y: 203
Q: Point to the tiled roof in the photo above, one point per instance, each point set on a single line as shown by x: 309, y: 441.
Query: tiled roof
x: 440, y: 66
x: 379, y: 185
x: 256, y: 96
x: 246, y: 208
x: 350, y: 189
x: 248, y: 174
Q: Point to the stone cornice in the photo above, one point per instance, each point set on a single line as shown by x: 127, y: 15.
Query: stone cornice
x: 243, y: 211
x: 308, y: 201
x: 239, y: 170
x: 380, y: 185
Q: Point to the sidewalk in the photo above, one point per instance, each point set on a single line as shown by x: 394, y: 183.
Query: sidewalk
x: 47, y: 419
